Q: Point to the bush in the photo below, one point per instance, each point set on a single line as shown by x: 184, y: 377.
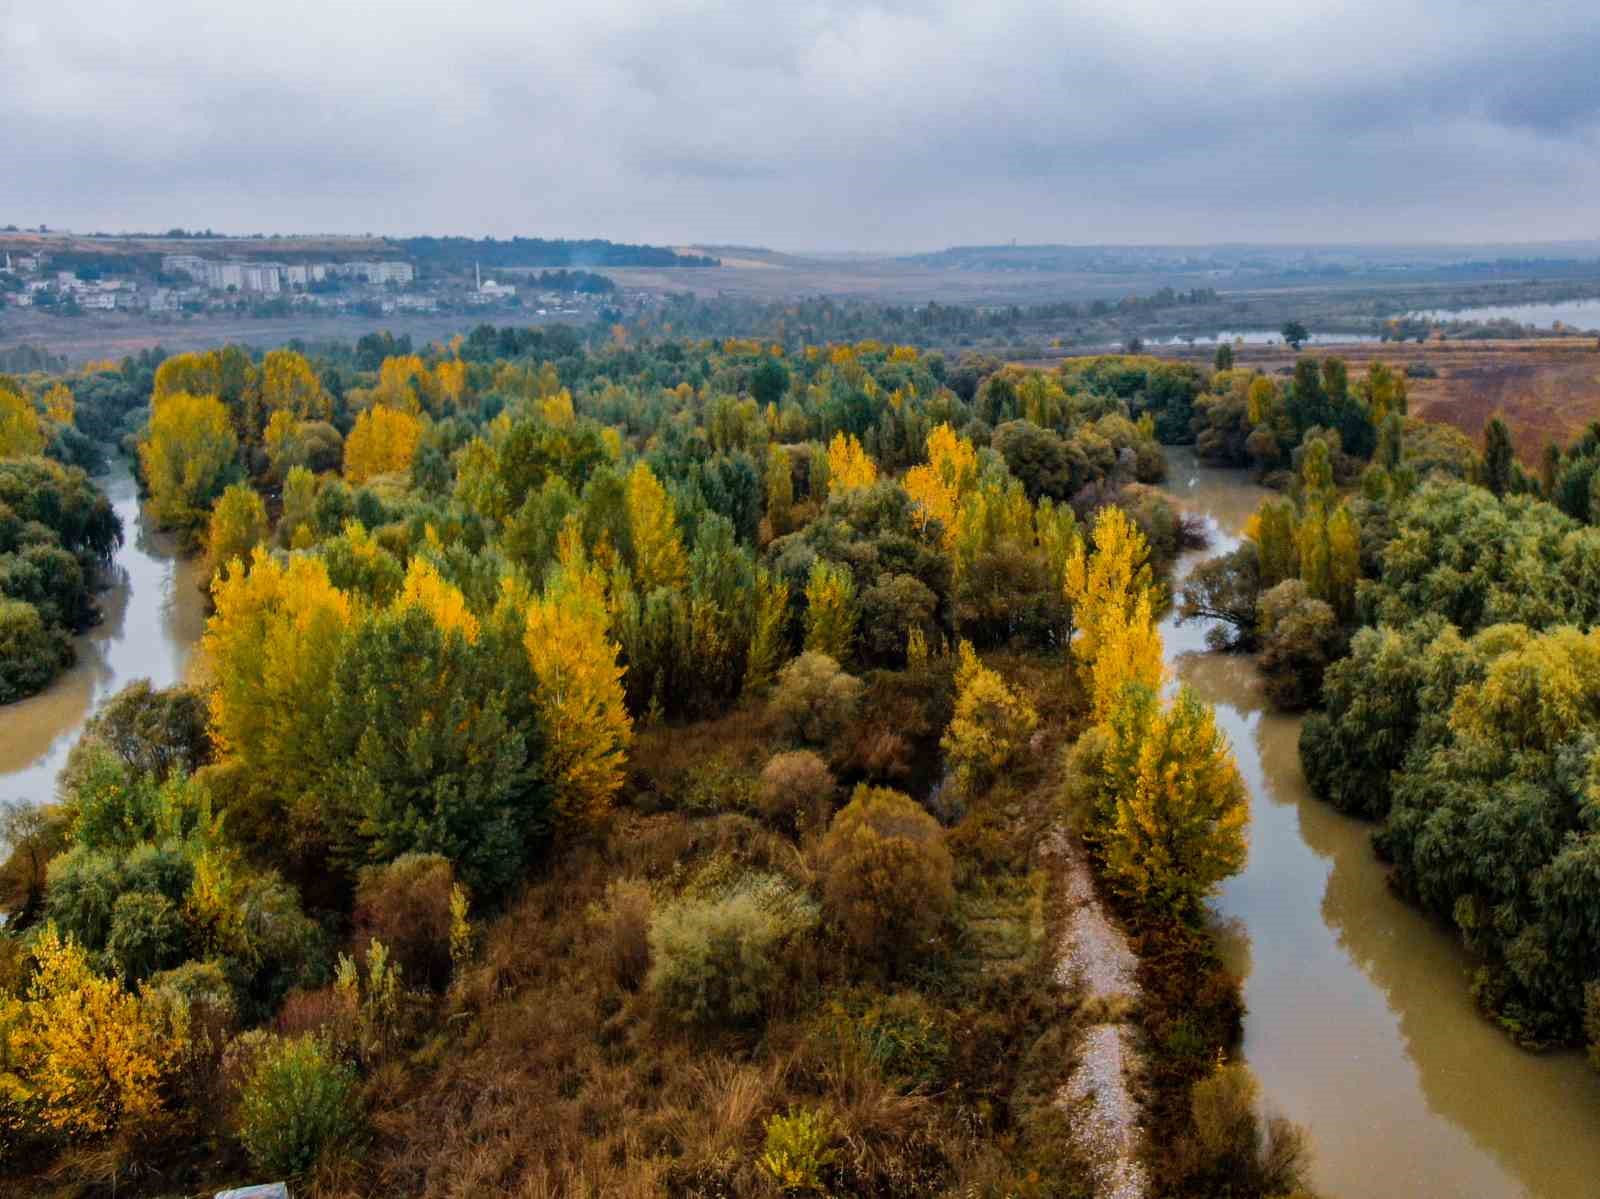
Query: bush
x: 717, y: 959
x: 31, y: 651
x: 887, y: 878
x: 815, y: 700
x: 406, y: 905
x: 147, y: 935
x: 796, y: 790
x: 798, y: 1148
x: 297, y: 1103
x: 1299, y: 638
x: 624, y: 926
x: 1232, y: 1149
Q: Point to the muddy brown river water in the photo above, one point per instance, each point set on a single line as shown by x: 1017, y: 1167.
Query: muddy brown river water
x: 154, y: 616
x: 1360, y: 1024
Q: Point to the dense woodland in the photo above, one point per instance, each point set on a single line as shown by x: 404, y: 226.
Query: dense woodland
x: 657, y: 740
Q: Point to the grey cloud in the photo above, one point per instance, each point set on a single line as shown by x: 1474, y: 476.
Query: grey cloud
x: 823, y: 125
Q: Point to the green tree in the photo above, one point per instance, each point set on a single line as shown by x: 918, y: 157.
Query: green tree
x: 1498, y: 457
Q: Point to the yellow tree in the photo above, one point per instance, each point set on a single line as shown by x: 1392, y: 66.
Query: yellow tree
x: 269, y: 650
x: 557, y: 410
x: 1272, y: 528
x: 289, y: 384
x: 658, y: 556
x: 383, y: 441
x: 780, y: 491
x: 299, y: 502
x: 403, y: 383
x: 450, y: 380
x: 187, y: 453
x: 938, y: 486
x: 579, y: 689
x: 238, y: 524
x: 1108, y: 588
x: 193, y: 374
x: 20, y: 431
x: 830, y: 610
x: 1312, y: 549
x: 425, y: 588
x: 990, y: 726
x: 766, y: 634
x: 1174, y: 824
x: 59, y: 404
x: 849, y: 465
x: 1344, y: 561
x: 84, y: 1053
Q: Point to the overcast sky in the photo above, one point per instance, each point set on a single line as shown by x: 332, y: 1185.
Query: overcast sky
x: 808, y: 125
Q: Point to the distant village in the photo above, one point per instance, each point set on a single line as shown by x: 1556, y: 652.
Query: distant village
x: 192, y: 283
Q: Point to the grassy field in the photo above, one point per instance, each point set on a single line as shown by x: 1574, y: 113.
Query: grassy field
x: 1545, y: 390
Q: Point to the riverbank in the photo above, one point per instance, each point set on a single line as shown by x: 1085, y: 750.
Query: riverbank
x: 152, y: 616
x: 1359, y: 1019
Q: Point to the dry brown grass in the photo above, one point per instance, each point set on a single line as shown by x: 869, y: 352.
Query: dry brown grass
x: 1545, y: 389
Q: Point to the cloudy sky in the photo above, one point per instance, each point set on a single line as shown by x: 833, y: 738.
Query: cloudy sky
x: 808, y: 125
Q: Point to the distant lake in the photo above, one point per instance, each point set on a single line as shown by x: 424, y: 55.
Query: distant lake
x: 1260, y: 337
x: 1581, y: 314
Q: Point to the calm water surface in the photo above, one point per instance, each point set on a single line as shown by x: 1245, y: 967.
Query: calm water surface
x: 1359, y: 1022
x: 154, y: 616
x: 1581, y: 314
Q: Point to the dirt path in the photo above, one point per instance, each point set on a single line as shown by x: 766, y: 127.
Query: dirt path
x: 1093, y: 961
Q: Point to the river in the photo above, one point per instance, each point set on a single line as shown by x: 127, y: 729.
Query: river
x: 1359, y: 1023
x: 153, y: 617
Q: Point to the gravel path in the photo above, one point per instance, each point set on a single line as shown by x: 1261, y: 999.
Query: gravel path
x: 1093, y: 959
x: 1092, y: 955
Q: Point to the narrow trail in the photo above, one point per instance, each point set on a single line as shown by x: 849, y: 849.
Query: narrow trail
x: 1094, y: 962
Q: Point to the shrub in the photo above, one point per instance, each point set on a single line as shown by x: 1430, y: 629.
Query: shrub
x: 297, y: 1103
x: 796, y: 790
x: 147, y: 934
x: 798, y: 1148
x: 623, y: 921
x: 815, y: 700
x: 716, y: 959
x: 1232, y: 1149
x: 1299, y: 638
x: 31, y: 651
x: 887, y: 878
x: 406, y: 905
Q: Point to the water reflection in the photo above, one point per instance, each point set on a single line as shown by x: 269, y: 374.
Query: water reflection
x: 1359, y: 1019
x: 153, y: 616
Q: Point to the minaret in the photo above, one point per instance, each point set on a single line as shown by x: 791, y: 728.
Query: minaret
x: 477, y: 271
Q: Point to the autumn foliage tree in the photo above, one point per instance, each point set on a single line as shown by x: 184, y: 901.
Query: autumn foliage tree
x: 20, y: 430
x: 990, y: 726
x: 187, y: 456
x: 1108, y: 585
x: 849, y: 465
x: 657, y: 547
x: 830, y: 610
x: 579, y: 694
x: 1172, y: 811
x: 383, y: 440
x: 83, y: 1055
x: 238, y: 524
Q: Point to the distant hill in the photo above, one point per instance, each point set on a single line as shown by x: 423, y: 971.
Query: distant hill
x: 537, y: 252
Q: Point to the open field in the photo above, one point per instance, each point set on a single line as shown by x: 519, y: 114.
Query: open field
x: 1545, y: 390
x: 97, y: 335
